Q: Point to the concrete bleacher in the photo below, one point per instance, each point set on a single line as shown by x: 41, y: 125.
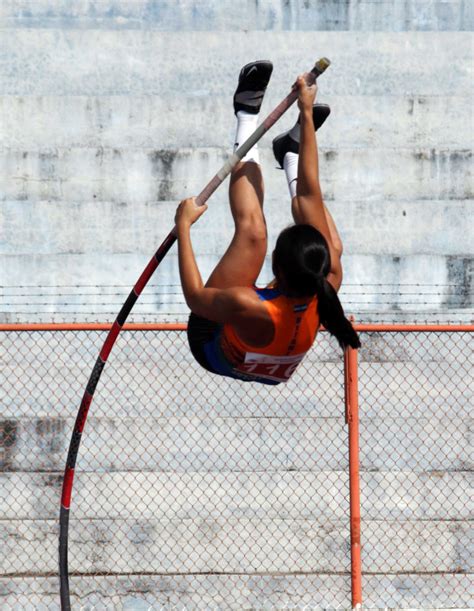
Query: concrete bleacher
x: 110, y: 113
x: 114, y: 111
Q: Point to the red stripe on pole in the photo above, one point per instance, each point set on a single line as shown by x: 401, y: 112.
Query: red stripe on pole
x: 67, y: 488
x: 83, y: 410
x: 109, y: 342
x: 346, y: 385
x: 153, y: 263
x: 146, y: 275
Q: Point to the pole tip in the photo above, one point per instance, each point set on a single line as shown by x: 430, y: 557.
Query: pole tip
x: 322, y: 64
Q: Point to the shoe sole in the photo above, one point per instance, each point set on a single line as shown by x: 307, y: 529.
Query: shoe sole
x: 263, y: 71
x: 283, y: 143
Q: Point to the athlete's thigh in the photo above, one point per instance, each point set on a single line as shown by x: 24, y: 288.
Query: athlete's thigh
x: 241, y: 263
x: 243, y: 260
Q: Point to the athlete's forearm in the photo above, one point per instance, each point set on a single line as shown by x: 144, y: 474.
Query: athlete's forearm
x: 309, y: 207
x: 308, y: 163
x: 191, y: 279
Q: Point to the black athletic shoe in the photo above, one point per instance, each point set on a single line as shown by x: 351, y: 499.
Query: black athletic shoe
x: 253, y: 81
x: 284, y: 143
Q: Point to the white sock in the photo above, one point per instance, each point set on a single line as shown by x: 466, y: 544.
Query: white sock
x: 246, y: 125
x: 290, y: 165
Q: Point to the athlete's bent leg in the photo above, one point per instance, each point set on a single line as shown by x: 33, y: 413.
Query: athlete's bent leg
x: 243, y: 260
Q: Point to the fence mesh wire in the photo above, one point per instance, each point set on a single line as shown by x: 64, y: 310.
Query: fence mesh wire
x: 197, y: 492
x: 415, y: 397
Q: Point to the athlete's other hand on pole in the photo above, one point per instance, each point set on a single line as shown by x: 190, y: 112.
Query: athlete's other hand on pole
x: 306, y: 93
x: 188, y: 212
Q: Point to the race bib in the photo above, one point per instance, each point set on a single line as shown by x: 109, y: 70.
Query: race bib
x: 276, y: 368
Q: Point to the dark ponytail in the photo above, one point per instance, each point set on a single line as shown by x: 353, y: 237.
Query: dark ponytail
x: 331, y: 315
x: 301, y: 262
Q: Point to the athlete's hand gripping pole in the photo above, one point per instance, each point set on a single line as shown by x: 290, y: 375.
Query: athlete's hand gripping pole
x: 159, y: 255
x: 319, y: 67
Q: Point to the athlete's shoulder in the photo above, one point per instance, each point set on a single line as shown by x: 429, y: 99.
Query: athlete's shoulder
x: 242, y: 296
x: 250, y: 320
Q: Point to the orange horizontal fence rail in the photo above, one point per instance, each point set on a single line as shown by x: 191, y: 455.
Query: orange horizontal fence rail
x: 141, y: 326
x: 91, y: 326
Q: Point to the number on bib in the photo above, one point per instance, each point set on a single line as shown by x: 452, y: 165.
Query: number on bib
x: 276, y: 368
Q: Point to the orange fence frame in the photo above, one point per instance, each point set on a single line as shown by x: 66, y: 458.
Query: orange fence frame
x: 351, y: 401
x: 351, y: 407
x: 176, y: 326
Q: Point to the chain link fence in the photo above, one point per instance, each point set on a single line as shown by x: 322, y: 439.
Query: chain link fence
x: 416, y: 461
x: 197, y: 492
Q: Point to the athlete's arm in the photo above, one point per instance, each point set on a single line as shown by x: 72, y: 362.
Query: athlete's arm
x: 234, y: 305
x: 309, y: 206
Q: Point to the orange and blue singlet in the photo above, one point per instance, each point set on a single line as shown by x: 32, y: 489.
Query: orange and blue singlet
x: 220, y: 350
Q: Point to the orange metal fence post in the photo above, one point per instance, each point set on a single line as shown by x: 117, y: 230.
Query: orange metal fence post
x: 352, y: 420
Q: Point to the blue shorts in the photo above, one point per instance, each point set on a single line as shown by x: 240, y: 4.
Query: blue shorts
x: 204, y: 337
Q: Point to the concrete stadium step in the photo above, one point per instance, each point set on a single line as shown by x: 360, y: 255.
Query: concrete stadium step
x: 242, y: 444
x: 34, y: 123
x: 237, y: 546
x: 434, y: 389
x: 226, y: 15
x: 111, y: 228
x: 403, y: 495
x: 173, y: 390
x: 143, y: 63
x: 415, y: 377
x: 138, y: 175
x: 452, y: 277
x: 398, y: 591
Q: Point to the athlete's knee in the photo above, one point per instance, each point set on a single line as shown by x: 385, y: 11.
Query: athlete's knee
x: 338, y: 247
x: 253, y: 227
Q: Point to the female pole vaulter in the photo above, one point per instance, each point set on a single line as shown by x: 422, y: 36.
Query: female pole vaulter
x: 261, y: 335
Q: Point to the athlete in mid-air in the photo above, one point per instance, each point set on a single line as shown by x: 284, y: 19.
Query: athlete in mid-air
x: 261, y: 335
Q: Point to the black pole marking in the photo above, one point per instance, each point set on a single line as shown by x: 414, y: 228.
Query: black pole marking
x: 63, y: 560
x: 95, y: 375
x: 126, y: 308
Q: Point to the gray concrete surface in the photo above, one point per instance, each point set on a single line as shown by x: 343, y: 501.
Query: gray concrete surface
x: 110, y: 112
x: 91, y: 155
x: 236, y: 494
x: 225, y: 15
x: 274, y: 591
x: 230, y: 545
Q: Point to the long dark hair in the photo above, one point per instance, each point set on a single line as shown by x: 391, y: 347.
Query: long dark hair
x: 301, y: 262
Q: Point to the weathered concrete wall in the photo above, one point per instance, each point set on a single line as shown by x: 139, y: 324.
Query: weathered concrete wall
x: 111, y: 112
x: 248, y: 15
